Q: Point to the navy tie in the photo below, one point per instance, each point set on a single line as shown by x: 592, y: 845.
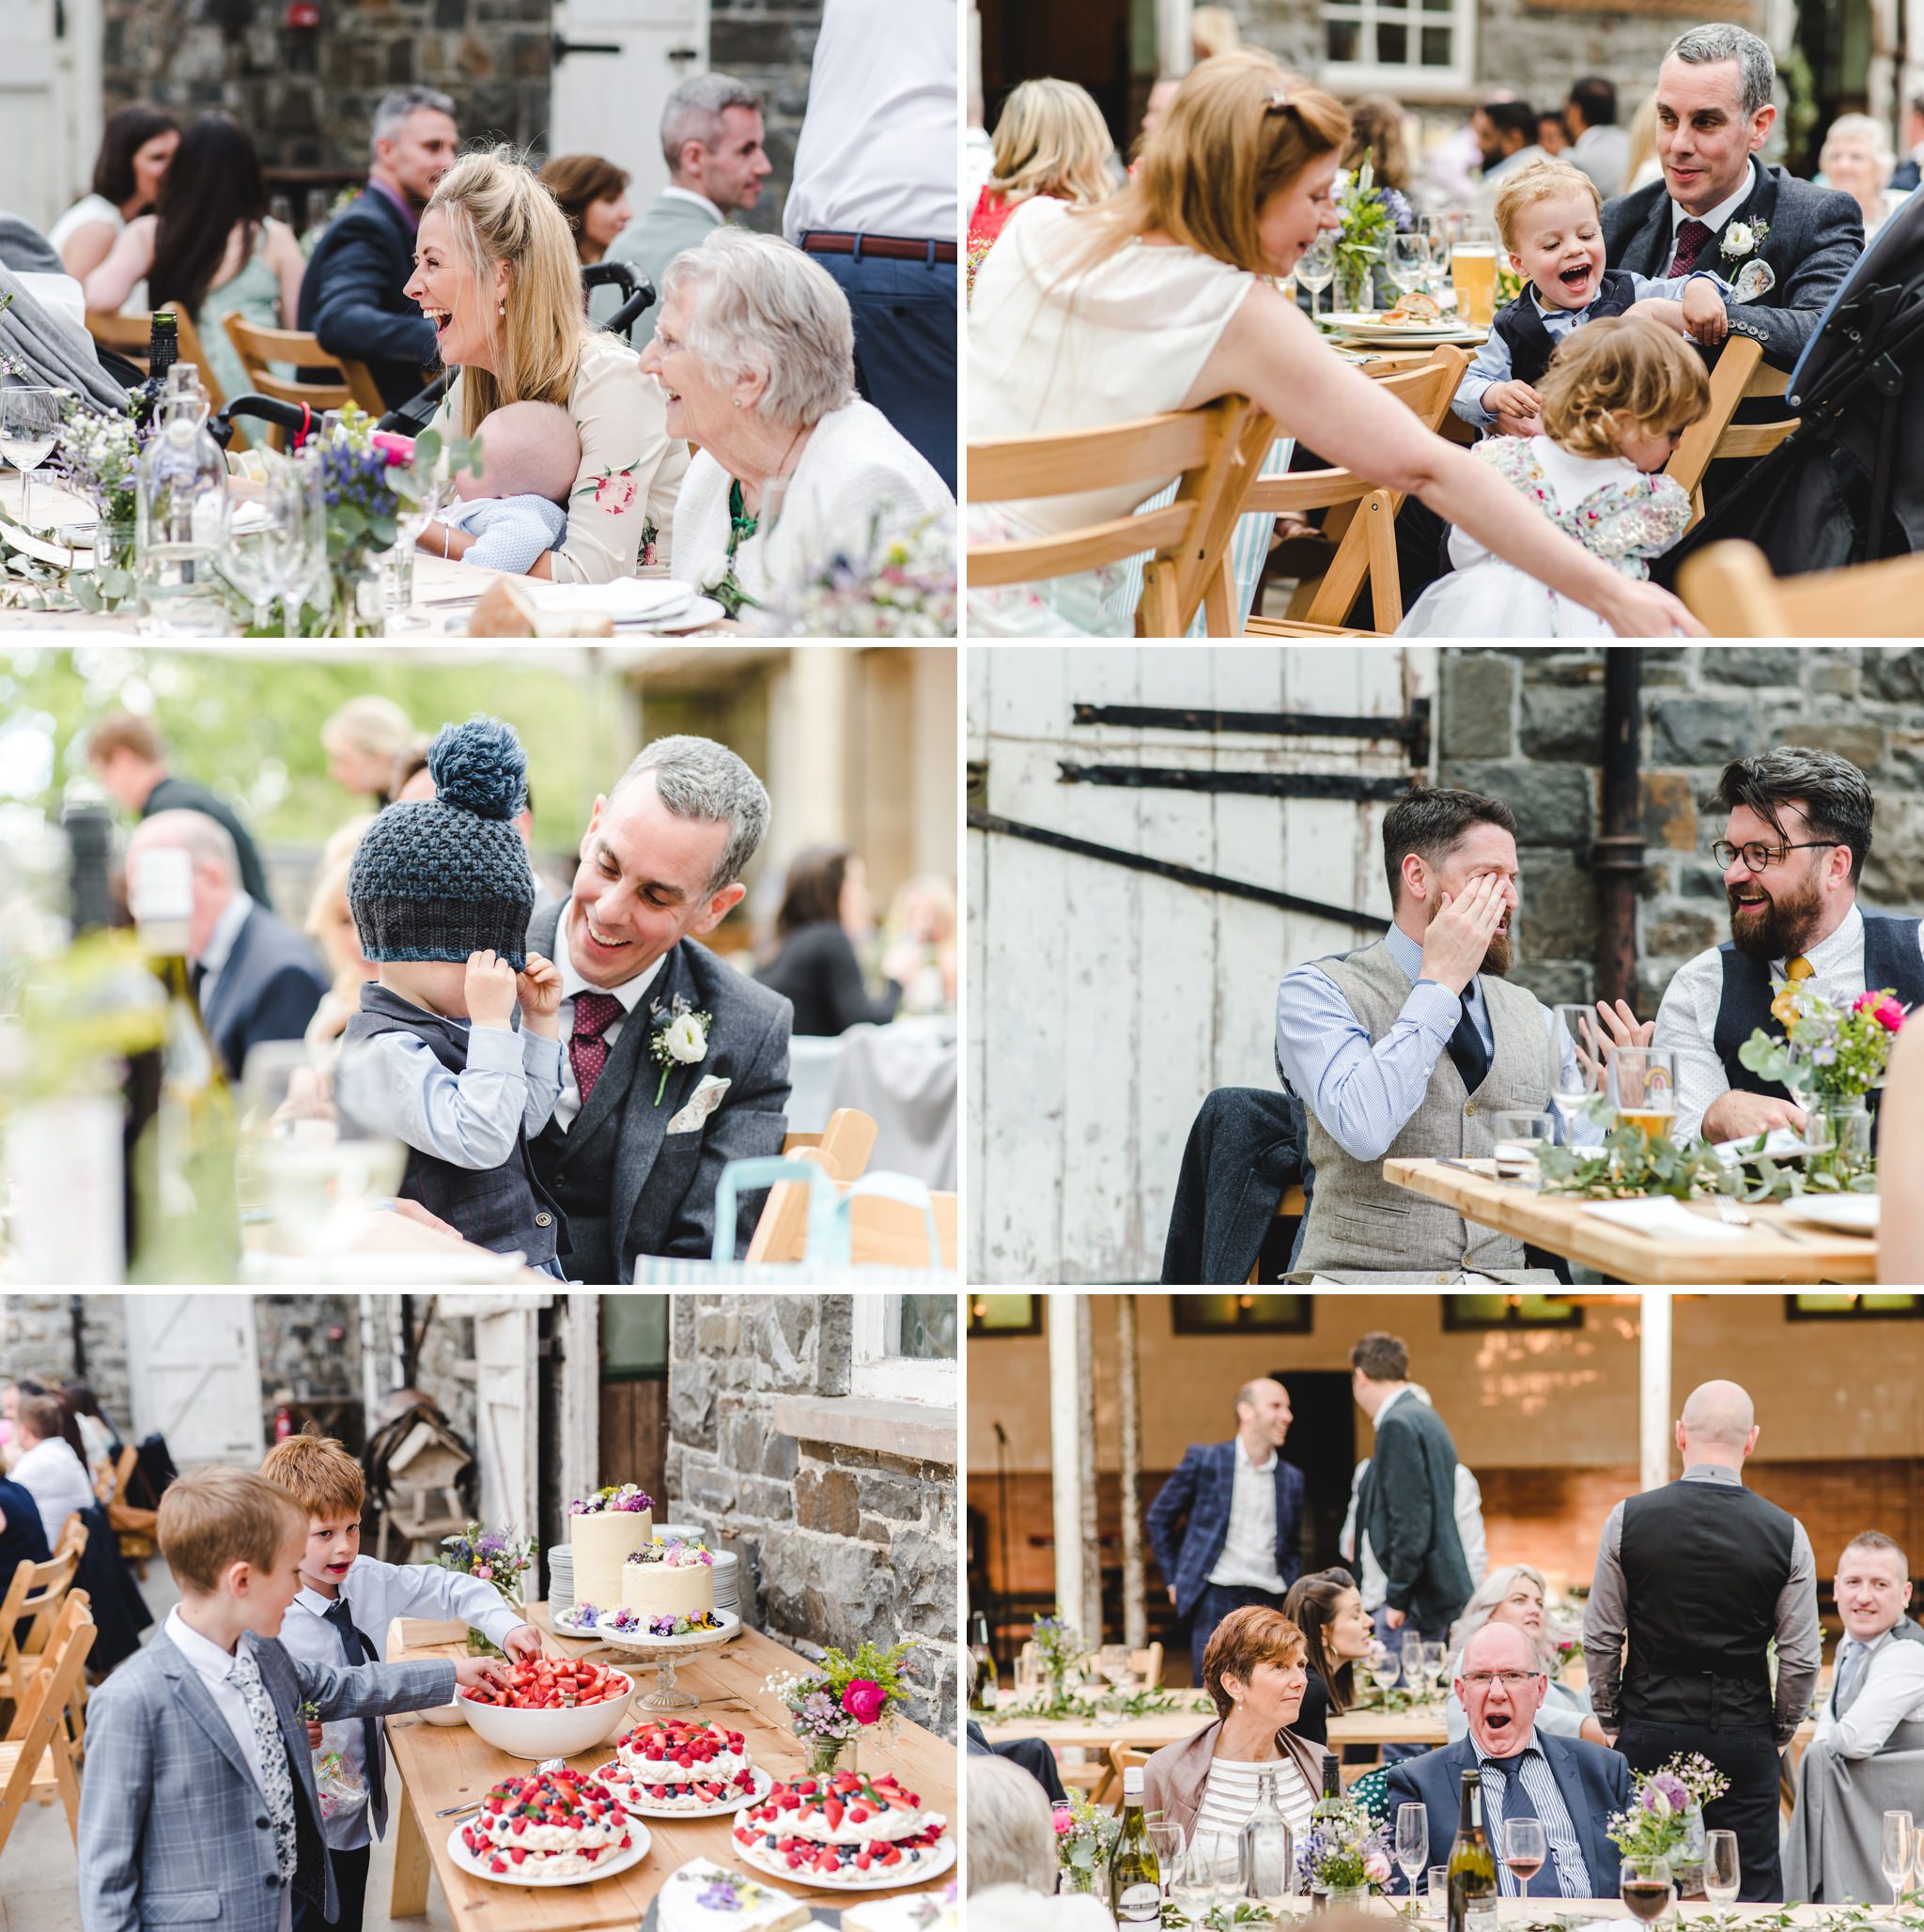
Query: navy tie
x: 356, y: 1651
x: 1467, y: 1049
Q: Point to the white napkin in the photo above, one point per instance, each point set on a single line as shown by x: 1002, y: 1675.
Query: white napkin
x: 627, y: 599
x: 1780, y: 1144
x: 1664, y: 1218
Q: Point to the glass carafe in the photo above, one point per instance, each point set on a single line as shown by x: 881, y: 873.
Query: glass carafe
x: 180, y: 529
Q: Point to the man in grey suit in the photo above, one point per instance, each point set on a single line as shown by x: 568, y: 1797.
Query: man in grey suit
x: 711, y: 139
x: 641, y: 1133
x: 199, y: 1802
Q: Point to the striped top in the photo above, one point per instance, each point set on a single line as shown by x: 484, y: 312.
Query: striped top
x: 1231, y: 1788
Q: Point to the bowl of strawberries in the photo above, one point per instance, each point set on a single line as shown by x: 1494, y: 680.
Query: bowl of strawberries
x: 549, y: 1706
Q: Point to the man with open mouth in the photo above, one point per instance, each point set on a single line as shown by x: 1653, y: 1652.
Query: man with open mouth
x: 1794, y: 843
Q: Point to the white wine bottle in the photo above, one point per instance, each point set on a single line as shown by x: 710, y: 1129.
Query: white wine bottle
x: 187, y: 1217
x: 1472, y: 1864
x: 1135, y: 1874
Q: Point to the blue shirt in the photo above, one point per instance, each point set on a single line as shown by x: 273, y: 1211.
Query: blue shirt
x: 1492, y: 363
x: 469, y: 1119
x: 1363, y: 1093
x: 513, y: 532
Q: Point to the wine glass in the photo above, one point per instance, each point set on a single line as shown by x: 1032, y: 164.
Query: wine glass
x: 1412, y: 1842
x: 1225, y: 1860
x: 1898, y: 1845
x: 1192, y: 1887
x: 1524, y: 1849
x: 1437, y: 1666
x: 1436, y: 230
x: 265, y: 537
x: 1409, y: 262
x: 1722, y: 1874
x: 1316, y: 270
x: 1646, y: 1887
x: 1385, y: 1665
x: 1168, y: 1841
x: 1574, y: 1060
x: 29, y: 423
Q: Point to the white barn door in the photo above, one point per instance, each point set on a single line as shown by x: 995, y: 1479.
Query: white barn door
x: 193, y: 1367
x: 615, y: 64
x: 1105, y: 1002
x: 507, y: 1335
x: 49, y: 103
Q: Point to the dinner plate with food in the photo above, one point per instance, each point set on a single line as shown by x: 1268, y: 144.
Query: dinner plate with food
x: 1416, y: 317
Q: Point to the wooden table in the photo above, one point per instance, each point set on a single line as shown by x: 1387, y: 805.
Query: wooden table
x: 426, y: 1256
x: 1424, y: 1725
x: 437, y: 1765
x: 1772, y: 1249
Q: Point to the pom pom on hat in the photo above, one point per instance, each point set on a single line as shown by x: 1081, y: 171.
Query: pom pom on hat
x: 480, y: 767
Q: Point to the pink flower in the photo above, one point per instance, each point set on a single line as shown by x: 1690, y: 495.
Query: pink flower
x: 1889, y: 1015
x: 1376, y: 1867
x: 614, y: 493
x: 1065, y: 1820
x: 864, y: 1700
x: 1862, y: 1002
x: 395, y: 448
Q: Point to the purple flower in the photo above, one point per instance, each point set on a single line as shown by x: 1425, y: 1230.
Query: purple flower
x: 1400, y: 209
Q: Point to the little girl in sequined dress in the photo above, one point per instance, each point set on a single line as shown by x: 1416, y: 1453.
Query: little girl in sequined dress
x: 1618, y: 396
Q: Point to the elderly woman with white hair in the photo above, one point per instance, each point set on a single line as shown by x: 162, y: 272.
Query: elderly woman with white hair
x: 1858, y: 157
x: 755, y: 348
x: 1514, y: 1594
x: 1012, y: 1857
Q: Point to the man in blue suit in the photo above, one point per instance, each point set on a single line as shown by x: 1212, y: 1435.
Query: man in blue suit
x: 1570, y: 1787
x: 1227, y: 1525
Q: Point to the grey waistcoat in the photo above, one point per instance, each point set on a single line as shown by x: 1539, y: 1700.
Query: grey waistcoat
x: 1359, y: 1221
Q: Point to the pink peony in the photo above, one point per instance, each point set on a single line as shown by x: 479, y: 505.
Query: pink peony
x: 864, y: 1700
x: 1889, y: 1015
x: 396, y: 449
x: 1065, y: 1820
x: 1863, y: 1001
x: 1376, y: 1867
x: 614, y: 493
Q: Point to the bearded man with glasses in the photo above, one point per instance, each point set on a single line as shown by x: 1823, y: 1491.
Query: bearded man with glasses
x: 1793, y: 848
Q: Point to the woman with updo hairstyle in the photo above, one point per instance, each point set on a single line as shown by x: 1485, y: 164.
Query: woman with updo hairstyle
x: 1050, y: 139
x: 1327, y: 1608
x: 1164, y: 297
x: 1253, y: 1670
x: 497, y: 272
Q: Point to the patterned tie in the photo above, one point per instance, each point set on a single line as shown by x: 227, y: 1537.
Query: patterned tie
x: 1691, y: 236
x: 587, y: 1051
x: 357, y: 1649
x: 277, y: 1781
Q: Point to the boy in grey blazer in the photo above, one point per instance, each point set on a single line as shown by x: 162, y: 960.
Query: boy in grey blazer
x: 199, y: 1803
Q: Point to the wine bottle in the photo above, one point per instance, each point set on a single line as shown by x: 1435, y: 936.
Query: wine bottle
x: 1472, y: 1864
x: 987, y: 1670
x: 1135, y: 1874
x: 163, y: 352
x: 188, y: 1218
x: 1332, y: 1804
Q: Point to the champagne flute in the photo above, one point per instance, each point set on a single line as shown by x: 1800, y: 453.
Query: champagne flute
x: 1412, y: 1842
x: 1316, y: 270
x: 1722, y: 1874
x: 1437, y: 1666
x: 1645, y: 1888
x: 1898, y: 1835
x: 1169, y: 1841
x: 1193, y: 1889
x: 1436, y: 231
x: 1576, y: 1062
x: 29, y: 423
x: 1524, y: 1849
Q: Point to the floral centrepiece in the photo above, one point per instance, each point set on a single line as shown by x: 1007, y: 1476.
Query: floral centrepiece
x: 900, y: 584
x: 629, y: 1497
x: 1085, y: 1838
x: 490, y: 1557
x: 1342, y: 1854
x: 843, y: 1696
x: 1827, y: 1050
x: 1657, y: 1822
x: 1063, y: 1647
x: 680, y: 1038
x: 1369, y: 216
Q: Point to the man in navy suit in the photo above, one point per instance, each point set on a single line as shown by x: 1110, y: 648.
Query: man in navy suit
x: 1227, y: 1527
x: 255, y: 978
x: 1570, y: 1787
x: 351, y: 296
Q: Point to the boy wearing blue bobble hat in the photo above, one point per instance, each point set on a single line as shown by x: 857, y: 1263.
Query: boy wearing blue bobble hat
x: 442, y: 892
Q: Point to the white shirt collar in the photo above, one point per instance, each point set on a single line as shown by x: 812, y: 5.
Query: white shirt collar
x: 1377, y: 1420
x: 1723, y: 210
x: 701, y: 201
x: 203, y: 1653
x: 1266, y: 1467
x: 1830, y: 951
x: 220, y: 943
x: 630, y: 993
x: 311, y: 1599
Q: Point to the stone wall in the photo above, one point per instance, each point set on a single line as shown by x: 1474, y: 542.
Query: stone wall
x: 1527, y: 726
x: 770, y: 45
x: 836, y: 1544
x: 37, y: 1340
x: 309, y: 1343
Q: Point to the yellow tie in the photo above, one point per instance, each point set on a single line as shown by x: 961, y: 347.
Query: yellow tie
x: 1799, y: 969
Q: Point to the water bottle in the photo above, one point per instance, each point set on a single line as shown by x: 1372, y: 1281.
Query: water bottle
x: 180, y: 528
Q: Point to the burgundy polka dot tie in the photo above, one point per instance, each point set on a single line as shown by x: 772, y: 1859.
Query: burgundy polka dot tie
x: 587, y: 1051
x: 1691, y: 236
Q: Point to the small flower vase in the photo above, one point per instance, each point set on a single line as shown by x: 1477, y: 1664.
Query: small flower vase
x: 1840, y: 1126
x: 359, y: 601
x: 113, y: 572
x: 826, y: 1755
x: 1347, y: 1899
x: 1686, y: 1861
x: 1356, y: 283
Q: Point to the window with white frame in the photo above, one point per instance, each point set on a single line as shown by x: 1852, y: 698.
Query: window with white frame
x: 1376, y: 43
x: 905, y: 1348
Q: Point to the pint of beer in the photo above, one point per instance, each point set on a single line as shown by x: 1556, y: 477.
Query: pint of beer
x: 1473, y: 268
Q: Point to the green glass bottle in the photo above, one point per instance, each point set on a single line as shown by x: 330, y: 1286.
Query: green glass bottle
x: 187, y: 1215
x: 1135, y: 1874
x: 1472, y: 1864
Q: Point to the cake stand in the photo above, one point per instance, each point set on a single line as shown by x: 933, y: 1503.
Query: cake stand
x: 662, y: 1652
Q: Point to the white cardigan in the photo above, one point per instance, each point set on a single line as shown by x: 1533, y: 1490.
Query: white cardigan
x: 854, y: 474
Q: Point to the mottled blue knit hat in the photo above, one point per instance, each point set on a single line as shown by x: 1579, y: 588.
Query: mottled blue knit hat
x: 438, y: 878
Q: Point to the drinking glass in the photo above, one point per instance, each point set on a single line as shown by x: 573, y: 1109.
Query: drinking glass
x: 1435, y: 231
x: 1520, y: 1136
x: 1898, y: 1836
x: 1316, y: 270
x: 1169, y: 1841
x: 1384, y: 1666
x: 1646, y: 1887
x: 1225, y: 1861
x: 1028, y: 1672
x: 1643, y: 1088
x: 1408, y: 263
x: 1436, y: 1884
x: 29, y: 423
x: 410, y: 521
x: 1114, y: 1662
x: 1917, y: 1838
x: 1722, y: 1874
x: 1473, y: 270
x: 1437, y: 1664
x: 1524, y: 1849
x: 265, y: 537
x: 1413, y: 1842
x: 1576, y: 1062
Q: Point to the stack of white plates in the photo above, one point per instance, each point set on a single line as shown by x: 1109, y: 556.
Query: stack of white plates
x: 631, y: 603
x: 561, y: 1579
x: 727, y: 1564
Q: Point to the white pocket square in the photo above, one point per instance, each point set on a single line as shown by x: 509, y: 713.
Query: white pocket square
x: 702, y: 1102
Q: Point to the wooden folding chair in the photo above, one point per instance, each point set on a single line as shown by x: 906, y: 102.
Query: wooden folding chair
x: 1116, y: 1760
x: 1362, y: 519
x: 39, y: 1752
x: 841, y: 1151
x: 130, y: 335
x: 1741, y: 376
x: 1185, y: 538
x: 1147, y: 1664
x: 259, y: 348
x: 35, y: 1592
x: 1729, y: 585
x: 1293, y: 1205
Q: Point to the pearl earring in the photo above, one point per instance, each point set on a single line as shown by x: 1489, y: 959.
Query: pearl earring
x: 736, y: 401
x: 501, y: 308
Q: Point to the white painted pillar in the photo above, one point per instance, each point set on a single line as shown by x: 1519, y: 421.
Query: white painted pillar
x: 1068, y: 1404
x: 581, y: 1394
x: 1174, y: 51
x: 1654, y: 1413
x: 1129, y: 1414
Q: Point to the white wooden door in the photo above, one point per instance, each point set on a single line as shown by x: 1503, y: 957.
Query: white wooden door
x: 1105, y: 1002
x: 195, y: 1371
x: 49, y: 103
x: 616, y: 62
x: 506, y: 1362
